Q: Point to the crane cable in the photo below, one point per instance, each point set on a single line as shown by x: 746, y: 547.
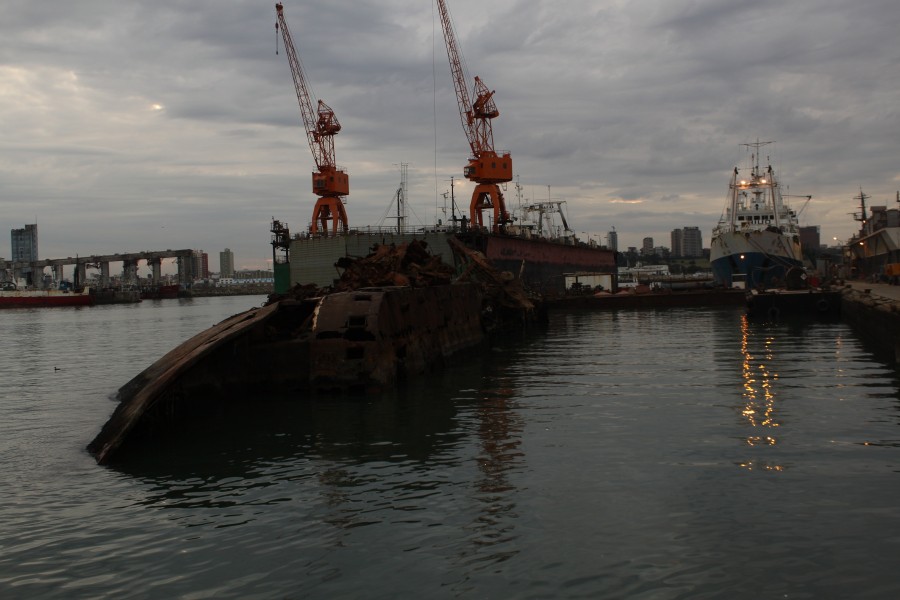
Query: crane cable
x: 434, y: 110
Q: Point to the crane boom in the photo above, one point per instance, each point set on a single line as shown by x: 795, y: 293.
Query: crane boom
x: 486, y: 168
x: 458, y: 74
x: 329, y: 182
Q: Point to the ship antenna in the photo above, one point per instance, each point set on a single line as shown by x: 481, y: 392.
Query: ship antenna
x: 754, y: 157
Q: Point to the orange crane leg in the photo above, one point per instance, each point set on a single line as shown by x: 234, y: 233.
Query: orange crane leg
x: 329, y: 209
x: 488, y: 196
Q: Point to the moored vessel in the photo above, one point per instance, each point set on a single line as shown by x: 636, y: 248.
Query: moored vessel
x: 806, y: 303
x: 757, y: 240
x: 161, y: 291
x: 14, y: 297
x: 112, y: 295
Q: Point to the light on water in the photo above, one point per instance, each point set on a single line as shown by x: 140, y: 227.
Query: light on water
x: 632, y: 454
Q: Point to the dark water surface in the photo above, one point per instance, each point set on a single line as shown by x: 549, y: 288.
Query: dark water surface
x: 647, y: 454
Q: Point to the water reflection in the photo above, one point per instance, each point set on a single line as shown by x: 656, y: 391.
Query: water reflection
x: 600, y: 462
x: 500, y: 439
x: 270, y: 441
x: 759, y: 393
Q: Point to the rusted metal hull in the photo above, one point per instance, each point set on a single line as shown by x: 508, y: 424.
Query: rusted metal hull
x: 352, y: 341
x: 370, y: 337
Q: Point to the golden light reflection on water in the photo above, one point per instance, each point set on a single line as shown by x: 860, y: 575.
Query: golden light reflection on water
x: 759, y: 397
x: 761, y: 466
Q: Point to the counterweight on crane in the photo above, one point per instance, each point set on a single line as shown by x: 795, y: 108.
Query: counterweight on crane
x: 486, y: 168
x: 329, y: 182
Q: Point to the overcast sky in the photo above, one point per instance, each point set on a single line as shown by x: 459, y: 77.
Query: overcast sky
x: 129, y: 126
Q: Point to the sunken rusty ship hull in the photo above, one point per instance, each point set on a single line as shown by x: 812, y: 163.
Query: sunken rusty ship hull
x: 371, y: 337
x: 398, y: 312
x: 356, y: 341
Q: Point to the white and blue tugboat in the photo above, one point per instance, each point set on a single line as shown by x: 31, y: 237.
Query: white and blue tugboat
x: 757, y: 240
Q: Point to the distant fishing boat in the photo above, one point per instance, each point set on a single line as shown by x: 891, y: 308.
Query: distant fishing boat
x: 13, y: 297
x: 757, y: 240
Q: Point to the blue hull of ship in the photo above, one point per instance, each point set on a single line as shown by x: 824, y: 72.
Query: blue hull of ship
x: 759, y: 269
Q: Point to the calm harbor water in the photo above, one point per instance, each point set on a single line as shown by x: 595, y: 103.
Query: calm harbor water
x: 634, y: 454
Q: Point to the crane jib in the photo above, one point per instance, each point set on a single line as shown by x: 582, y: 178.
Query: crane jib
x: 329, y: 182
x: 486, y: 168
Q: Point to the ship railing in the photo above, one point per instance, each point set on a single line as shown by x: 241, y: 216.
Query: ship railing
x: 382, y: 230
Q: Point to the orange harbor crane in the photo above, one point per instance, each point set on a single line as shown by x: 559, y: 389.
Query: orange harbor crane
x: 330, y: 183
x: 486, y: 168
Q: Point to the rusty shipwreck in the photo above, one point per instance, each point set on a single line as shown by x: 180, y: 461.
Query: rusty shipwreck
x: 397, y: 313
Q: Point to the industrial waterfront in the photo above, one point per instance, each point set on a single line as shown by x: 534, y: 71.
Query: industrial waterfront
x: 727, y: 459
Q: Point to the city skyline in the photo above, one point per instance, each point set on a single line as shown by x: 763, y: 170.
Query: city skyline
x: 202, y: 262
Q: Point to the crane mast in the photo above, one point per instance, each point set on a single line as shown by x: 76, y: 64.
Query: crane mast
x: 486, y: 168
x: 330, y: 183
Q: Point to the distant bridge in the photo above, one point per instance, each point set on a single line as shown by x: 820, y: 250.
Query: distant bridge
x: 129, y: 262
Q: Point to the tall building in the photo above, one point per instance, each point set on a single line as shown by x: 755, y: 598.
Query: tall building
x: 200, y: 266
x: 647, y: 246
x: 687, y: 243
x: 612, y: 240
x: 677, y: 246
x: 24, y: 243
x: 691, y: 242
x: 24, y: 247
x: 809, y: 237
x: 226, y: 263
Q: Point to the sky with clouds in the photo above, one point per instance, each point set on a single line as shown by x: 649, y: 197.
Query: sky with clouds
x: 130, y: 126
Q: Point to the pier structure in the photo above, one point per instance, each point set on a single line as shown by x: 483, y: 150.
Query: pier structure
x: 873, y: 311
x: 130, y: 262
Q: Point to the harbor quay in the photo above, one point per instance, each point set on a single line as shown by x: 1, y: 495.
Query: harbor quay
x: 873, y: 311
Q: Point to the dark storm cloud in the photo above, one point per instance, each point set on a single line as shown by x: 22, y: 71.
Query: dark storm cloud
x: 174, y: 123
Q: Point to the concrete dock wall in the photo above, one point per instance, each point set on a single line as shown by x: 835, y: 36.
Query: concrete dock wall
x: 873, y: 311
